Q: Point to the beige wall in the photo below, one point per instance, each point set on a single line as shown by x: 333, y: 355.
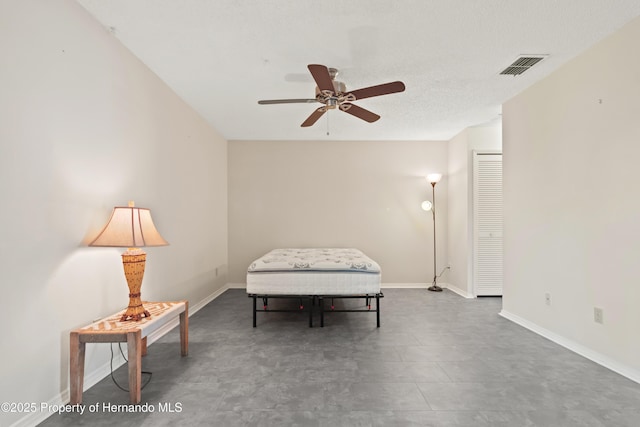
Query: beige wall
x: 571, y: 145
x: 84, y: 126
x: 338, y: 194
x: 487, y: 138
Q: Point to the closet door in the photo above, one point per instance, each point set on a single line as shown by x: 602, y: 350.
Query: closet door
x: 487, y: 224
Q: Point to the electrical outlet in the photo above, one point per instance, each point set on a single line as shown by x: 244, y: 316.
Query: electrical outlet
x: 547, y: 298
x: 598, y: 315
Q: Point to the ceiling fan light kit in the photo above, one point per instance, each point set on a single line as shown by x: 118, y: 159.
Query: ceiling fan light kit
x: 333, y: 94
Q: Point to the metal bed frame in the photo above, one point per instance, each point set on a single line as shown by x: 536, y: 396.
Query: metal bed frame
x: 312, y: 300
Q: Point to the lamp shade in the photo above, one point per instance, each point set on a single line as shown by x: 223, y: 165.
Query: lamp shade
x: 426, y: 205
x: 434, y: 177
x: 129, y: 227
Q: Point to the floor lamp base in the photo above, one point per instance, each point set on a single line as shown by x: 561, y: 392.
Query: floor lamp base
x: 434, y: 288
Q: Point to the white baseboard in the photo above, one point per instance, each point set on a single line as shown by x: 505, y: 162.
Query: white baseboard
x: 459, y: 291
x: 97, y: 375
x: 197, y: 306
x: 590, y: 354
x: 404, y: 285
x: 90, y: 379
x: 448, y: 286
x: 425, y: 286
x: 236, y: 286
x: 35, y: 418
x: 157, y: 334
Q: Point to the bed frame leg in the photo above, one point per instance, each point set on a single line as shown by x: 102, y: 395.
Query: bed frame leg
x: 311, y: 314
x: 378, y: 310
x: 321, y: 304
x: 255, y: 311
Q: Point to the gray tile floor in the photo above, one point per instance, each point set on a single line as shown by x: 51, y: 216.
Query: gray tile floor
x: 437, y: 360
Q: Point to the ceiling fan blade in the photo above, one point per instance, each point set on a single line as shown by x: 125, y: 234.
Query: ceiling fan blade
x: 383, y: 89
x: 314, y: 117
x: 359, y: 112
x: 287, y: 101
x: 322, y: 77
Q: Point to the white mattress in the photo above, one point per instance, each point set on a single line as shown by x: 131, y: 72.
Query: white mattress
x: 314, y: 271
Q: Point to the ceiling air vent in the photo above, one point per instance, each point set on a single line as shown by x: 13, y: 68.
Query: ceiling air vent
x: 522, y: 64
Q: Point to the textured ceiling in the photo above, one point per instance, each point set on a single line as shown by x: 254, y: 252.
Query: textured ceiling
x: 222, y: 56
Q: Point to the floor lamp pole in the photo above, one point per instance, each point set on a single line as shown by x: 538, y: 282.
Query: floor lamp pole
x: 434, y: 286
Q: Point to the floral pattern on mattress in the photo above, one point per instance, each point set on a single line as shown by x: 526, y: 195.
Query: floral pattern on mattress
x: 314, y: 260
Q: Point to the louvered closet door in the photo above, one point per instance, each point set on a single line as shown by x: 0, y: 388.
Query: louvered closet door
x: 487, y: 223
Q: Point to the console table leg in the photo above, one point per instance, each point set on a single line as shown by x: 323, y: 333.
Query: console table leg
x: 76, y: 368
x: 144, y: 347
x: 184, y: 330
x: 134, y: 348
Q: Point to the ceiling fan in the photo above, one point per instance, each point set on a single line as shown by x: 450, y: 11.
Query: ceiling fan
x: 333, y: 94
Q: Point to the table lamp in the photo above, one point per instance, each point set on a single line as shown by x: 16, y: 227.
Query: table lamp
x: 131, y: 227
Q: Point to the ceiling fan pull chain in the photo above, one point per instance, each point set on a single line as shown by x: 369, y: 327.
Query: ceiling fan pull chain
x: 327, y: 123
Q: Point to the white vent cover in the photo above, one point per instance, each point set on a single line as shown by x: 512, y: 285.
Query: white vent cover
x: 522, y: 64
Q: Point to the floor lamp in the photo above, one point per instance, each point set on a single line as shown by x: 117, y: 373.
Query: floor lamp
x: 433, y: 178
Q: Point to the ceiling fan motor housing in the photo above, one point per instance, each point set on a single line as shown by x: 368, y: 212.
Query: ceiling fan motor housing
x: 339, y: 87
x: 331, y: 100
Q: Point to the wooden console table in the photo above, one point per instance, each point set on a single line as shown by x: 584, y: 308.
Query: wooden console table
x: 134, y: 333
